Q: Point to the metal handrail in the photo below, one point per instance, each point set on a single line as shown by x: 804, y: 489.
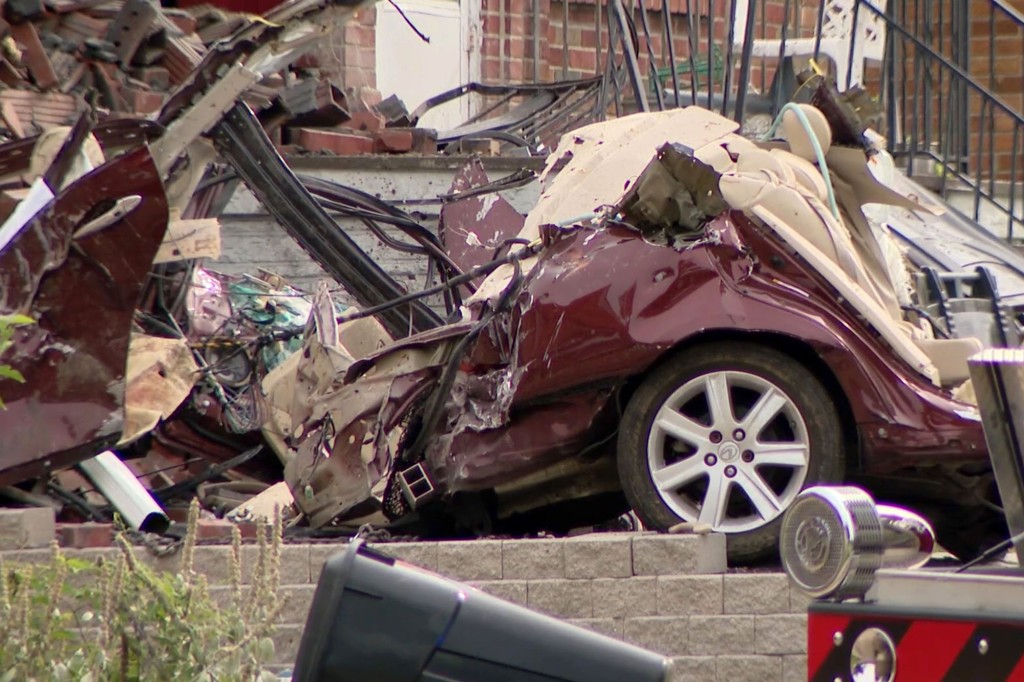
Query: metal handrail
x: 936, y: 96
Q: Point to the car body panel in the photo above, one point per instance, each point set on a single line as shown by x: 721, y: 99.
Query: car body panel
x: 82, y: 291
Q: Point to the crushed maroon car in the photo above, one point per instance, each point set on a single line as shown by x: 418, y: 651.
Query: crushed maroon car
x: 691, y: 324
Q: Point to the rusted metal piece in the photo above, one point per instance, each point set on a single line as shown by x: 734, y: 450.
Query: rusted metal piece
x: 82, y: 293
x: 472, y: 229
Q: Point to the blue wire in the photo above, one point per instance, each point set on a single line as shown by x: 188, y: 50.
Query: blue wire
x: 822, y: 166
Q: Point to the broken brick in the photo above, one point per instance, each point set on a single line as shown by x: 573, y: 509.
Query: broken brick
x: 185, y: 22
x: 83, y: 535
x: 394, y: 112
x: 17, y: 11
x: 219, y: 529
x: 341, y: 143
x: 213, y: 529
x: 365, y: 120
x: 288, y: 149
x: 393, y: 141
x: 156, y: 77
x: 142, y: 101
x: 39, y: 66
x: 424, y: 140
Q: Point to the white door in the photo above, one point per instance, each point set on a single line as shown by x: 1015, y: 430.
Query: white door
x: 416, y: 70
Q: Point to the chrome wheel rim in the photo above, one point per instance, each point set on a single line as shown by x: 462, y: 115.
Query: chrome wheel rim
x: 728, y: 449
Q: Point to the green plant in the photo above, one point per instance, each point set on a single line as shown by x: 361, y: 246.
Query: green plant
x: 7, y: 325
x: 119, y: 619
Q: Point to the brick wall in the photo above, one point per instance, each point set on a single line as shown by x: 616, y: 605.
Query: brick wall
x: 573, y: 40
x: 670, y: 594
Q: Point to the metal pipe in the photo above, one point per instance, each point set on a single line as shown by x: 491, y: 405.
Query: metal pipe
x: 121, y: 487
x: 670, y: 40
x: 694, y: 44
x: 565, y: 39
x: 998, y: 378
x: 658, y: 95
x: 632, y: 66
x: 536, y: 41
x: 745, y: 59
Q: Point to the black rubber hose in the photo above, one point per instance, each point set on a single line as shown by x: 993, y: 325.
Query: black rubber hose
x: 244, y: 144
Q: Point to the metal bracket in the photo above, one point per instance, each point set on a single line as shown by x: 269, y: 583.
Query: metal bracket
x: 417, y: 485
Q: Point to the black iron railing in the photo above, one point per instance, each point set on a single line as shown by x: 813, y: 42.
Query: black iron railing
x: 947, y: 74
x: 951, y: 116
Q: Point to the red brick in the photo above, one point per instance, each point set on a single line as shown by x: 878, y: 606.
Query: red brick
x: 364, y: 98
x: 424, y: 140
x: 393, y: 141
x: 365, y: 120
x: 156, y: 77
x: 177, y: 514
x: 341, y: 143
x: 213, y: 529
x: 143, y: 101
x: 185, y: 22
x: 492, y: 70
x: 83, y: 535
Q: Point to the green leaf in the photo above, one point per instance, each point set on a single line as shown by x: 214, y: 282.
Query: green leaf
x: 8, y: 372
x: 16, y: 320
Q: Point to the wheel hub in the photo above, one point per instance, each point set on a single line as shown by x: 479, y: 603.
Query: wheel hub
x: 729, y: 452
x: 741, y: 471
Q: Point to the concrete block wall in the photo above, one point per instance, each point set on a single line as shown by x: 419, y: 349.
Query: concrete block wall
x: 669, y: 593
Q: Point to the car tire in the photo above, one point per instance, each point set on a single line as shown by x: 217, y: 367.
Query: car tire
x: 680, y: 460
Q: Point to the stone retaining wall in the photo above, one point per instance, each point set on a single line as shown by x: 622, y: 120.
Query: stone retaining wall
x: 668, y: 593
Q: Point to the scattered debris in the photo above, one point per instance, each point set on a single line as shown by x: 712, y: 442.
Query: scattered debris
x: 675, y: 281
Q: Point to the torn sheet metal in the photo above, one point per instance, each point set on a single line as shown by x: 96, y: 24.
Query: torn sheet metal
x: 287, y: 405
x: 473, y: 228
x: 593, y: 166
x: 82, y: 293
x: 347, y: 433
x: 683, y: 240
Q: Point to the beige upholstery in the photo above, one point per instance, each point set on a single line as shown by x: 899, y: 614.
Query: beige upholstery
x: 804, y: 172
x: 787, y: 191
x: 799, y: 142
x: 950, y: 357
x: 49, y: 145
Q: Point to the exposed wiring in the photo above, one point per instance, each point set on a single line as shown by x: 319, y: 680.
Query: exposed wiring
x: 936, y: 329
x: 425, y: 38
x: 434, y: 407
